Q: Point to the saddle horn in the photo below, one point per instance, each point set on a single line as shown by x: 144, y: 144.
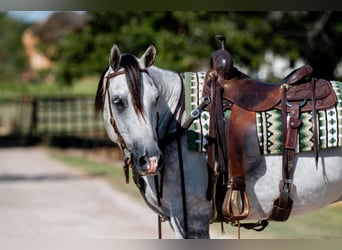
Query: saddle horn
x: 221, y: 61
x: 222, y: 39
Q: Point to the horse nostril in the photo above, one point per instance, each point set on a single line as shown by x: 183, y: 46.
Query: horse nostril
x: 142, y: 161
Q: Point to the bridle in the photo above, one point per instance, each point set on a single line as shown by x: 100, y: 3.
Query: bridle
x: 121, y: 141
x: 170, y: 137
x: 128, y: 154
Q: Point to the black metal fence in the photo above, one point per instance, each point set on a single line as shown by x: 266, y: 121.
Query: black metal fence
x: 69, y: 121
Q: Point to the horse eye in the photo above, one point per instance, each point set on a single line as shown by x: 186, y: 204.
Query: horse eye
x: 118, y: 103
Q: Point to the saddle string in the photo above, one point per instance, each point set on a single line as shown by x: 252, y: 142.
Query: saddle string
x: 314, y: 120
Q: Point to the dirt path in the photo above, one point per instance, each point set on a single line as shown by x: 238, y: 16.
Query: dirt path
x: 42, y: 198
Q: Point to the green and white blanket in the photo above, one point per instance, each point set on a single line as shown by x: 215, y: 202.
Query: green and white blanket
x: 268, y: 123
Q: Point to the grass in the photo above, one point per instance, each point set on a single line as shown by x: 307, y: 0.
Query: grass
x: 86, y: 86
x: 325, y: 223
x: 322, y: 224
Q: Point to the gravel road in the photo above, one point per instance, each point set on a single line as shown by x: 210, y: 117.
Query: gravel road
x: 41, y: 198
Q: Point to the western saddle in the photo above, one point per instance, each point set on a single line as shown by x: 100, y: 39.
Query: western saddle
x: 233, y: 145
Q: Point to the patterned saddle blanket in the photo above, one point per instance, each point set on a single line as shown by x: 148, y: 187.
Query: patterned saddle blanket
x: 268, y: 123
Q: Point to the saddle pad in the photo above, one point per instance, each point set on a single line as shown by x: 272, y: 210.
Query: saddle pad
x: 268, y: 123
x: 199, y: 129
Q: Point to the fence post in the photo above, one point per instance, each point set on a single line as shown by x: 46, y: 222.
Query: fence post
x: 33, y: 126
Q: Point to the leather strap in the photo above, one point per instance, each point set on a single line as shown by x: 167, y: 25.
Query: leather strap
x: 314, y: 119
x: 241, y: 128
x: 217, y: 148
x: 227, y: 156
x: 282, y: 206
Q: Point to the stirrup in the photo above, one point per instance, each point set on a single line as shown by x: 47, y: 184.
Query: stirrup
x: 230, y: 207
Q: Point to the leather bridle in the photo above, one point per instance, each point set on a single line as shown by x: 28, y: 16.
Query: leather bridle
x: 121, y: 141
x: 128, y: 154
x: 170, y: 137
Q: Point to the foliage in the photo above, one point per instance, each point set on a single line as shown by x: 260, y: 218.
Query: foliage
x: 314, y: 36
x: 185, y: 39
x: 12, y: 57
x: 81, y: 87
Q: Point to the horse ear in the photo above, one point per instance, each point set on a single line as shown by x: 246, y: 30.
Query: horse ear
x: 149, y: 56
x: 115, y: 56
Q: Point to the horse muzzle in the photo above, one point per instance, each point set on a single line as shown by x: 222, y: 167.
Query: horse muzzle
x: 149, y: 164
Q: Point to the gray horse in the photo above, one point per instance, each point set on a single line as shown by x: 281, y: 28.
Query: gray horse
x: 143, y: 112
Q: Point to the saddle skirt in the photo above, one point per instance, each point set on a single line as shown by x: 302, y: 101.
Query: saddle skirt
x: 269, y: 125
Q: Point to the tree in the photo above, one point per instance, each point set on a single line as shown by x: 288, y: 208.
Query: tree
x: 12, y: 56
x: 313, y: 36
x: 185, y: 39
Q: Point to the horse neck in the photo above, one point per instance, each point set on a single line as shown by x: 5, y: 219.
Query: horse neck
x: 171, y: 104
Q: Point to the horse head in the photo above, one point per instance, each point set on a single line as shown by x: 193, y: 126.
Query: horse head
x: 128, y: 97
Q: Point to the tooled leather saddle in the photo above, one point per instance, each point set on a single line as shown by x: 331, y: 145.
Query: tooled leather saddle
x: 233, y: 144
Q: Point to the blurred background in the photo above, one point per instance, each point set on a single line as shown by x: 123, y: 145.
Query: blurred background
x: 50, y: 64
